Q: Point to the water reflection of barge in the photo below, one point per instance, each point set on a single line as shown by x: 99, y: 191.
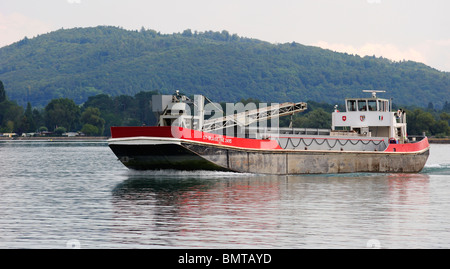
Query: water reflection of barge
x: 367, y: 137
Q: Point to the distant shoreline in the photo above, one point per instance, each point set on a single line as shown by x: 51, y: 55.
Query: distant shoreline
x: 439, y: 140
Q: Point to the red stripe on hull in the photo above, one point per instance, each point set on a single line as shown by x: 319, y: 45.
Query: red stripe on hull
x: 193, y: 135
x: 409, y: 147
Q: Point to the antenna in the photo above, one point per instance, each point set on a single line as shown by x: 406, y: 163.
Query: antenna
x: 374, y: 93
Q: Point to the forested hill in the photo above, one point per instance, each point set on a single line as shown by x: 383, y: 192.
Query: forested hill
x: 81, y: 62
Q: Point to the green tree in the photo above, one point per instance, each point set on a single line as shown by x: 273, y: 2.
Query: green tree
x: 27, y: 124
x: 60, y: 130
x: 10, y: 116
x: 446, y: 107
x: 102, y: 101
x: 2, y: 92
x: 144, y: 113
x: 440, y: 128
x: 38, y: 118
x: 445, y: 116
x: 318, y: 118
x: 9, y: 127
x: 90, y: 130
x: 425, y: 121
x: 62, y: 112
x: 91, y: 116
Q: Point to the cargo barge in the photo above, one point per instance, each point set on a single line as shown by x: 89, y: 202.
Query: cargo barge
x: 367, y: 137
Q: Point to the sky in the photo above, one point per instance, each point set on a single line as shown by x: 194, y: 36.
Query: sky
x: 416, y: 30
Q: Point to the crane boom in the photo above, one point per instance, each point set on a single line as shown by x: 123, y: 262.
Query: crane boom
x: 248, y: 117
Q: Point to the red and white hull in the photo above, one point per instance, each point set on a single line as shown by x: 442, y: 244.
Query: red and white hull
x: 154, y: 148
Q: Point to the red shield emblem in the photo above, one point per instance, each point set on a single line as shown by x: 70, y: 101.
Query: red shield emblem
x: 362, y: 117
x: 344, y: 118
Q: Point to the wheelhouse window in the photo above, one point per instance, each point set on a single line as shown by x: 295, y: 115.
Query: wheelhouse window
x: 362, y: 105
x: 351, y: 105
x: 372, y: 105
x: 383, y: 105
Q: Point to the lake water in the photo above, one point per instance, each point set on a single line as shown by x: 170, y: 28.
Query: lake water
x: 77, y: 194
